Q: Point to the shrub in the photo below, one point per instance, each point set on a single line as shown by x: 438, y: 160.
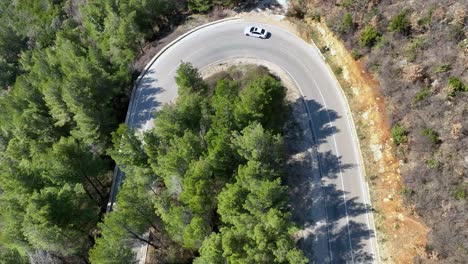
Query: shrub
x: 432, y: 135
x: 356, y: 54
x: 460, y: 193
x: 407, y: 191
x: 426, y: 20
x: 456, y: 32
x: 421, y: 95
x: 337, y: 70
x: 443, y: 68
x: 416, y: 45
x: 399, y: 134
x: 346, y: 3
x: 347, y: 23
x: 296, y: 10
x: 314, y: 15
x: 456, y: 86
x: 400, y: 23
x: 432, y: 163
x: 200, y: 5
x: 369, y: 36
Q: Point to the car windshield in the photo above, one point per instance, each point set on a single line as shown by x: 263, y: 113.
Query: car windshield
x: 263, y: 31
x: 253, y: 29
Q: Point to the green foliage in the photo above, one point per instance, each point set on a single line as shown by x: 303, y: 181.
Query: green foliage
x: 347, y: 3
x: 400, y: 23
x: 337, y: 70
x: 65, y: 64
x: 8, y: 256
x: 188, y: 80
x: 57, y: 219
x: 133, y: 215
x: 316, y: 16
x: 347, y: 23
x: 263, y: 101
x: 414, y: 47
x: 460, y: 193
x: 256, y: 144
x: 399, y: 134
x: 210, y: 175
x: 431, y: 135
x: 69, y: 161
x: 211, y: 250
x: 456, y: 32
x: 11, y: 44
x: 407, y: 191
x: 356, y: 54
x: 432, y: 163
x: 456, y: 86
x: 254, y: 210
x: 296, y: 9
x: 200, y: 5
x: 203, y: 6
x: 173, y: 162
x: 369, y: 36
x: 423, y: 94
x: 443, y: 68
x: 128, y: 149
x: 426, y: 20
x: 196, y: 232
x: 113, y: 245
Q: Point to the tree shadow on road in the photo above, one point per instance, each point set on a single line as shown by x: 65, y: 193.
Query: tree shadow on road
x: 324, y: 212
x: 144, y: 104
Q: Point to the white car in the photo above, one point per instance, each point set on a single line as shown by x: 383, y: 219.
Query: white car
x: 256, y: 32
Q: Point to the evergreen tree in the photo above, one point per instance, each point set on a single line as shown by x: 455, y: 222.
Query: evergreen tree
x: 60, y: 219
x: 262, y: 101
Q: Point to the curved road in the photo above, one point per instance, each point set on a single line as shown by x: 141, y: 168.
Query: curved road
x: 339, y: 213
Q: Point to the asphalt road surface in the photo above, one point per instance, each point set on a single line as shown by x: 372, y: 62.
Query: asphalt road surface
x: 340, y: 214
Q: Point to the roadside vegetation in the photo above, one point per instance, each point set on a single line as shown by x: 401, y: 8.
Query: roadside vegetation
x: 208, y: 180
x: 66, y: 70
x: 418, y: 52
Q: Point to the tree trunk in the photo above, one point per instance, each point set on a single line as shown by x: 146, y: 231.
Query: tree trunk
x: 140, y: 238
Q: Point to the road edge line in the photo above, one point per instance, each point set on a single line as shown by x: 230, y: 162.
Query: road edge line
x: 142, y: 74
x: 353, y: 128
x: 356, y: 139
x: 113, y: 190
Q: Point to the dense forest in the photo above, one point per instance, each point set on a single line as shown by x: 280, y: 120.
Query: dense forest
x: 419, y: 52
x: 66, y: 71
x: 208, y: 179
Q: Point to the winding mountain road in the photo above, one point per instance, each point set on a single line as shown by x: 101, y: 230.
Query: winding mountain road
x: 340, y: 213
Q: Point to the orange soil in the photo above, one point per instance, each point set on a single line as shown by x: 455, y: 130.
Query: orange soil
x: 401, y: 234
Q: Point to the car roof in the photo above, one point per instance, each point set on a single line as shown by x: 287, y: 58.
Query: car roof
x: 255, y: 29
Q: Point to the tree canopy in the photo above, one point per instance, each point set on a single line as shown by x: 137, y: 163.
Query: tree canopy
x: 65, y: 68
x: 63, y: 65
x: 215, y: 160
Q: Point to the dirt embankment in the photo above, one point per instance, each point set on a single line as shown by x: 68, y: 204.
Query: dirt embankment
x: 401, y: 234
